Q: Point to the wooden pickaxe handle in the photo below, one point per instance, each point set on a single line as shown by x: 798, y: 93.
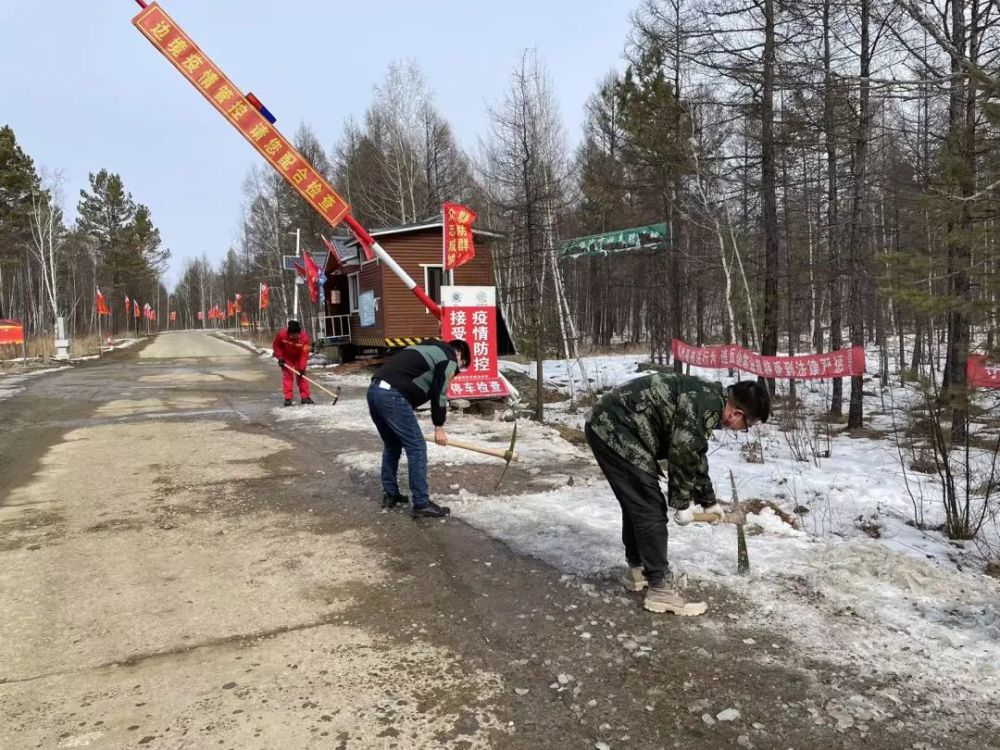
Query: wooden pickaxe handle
x: 318, y: 385
x: 505, y: 455
x: 713, y: 518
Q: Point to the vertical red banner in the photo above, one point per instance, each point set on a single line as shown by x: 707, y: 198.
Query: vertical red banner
x: 470, y: 314
x: 458, y: 244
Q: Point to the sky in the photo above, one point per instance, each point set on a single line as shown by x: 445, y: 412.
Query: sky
x: 83, y: 90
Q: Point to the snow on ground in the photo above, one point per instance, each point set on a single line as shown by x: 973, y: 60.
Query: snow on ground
x: 907, y: 603
x: 537, y: 445
x: 14, y: 383
x: 602, y: 372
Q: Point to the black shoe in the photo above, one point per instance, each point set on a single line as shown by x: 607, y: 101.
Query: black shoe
x: 288, y: 402
x: 389, y: 502
x: 431, y: 510
x: 308, y: 400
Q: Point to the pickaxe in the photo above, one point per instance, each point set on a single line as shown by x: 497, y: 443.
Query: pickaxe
x: 507, y: 455
x: 735, y: 516
x: 336, y: 396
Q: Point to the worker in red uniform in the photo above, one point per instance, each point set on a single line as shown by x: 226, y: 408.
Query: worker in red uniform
x: 291, y: 348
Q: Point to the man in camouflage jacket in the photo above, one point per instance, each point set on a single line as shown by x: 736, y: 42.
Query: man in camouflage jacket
x: 664, y: 417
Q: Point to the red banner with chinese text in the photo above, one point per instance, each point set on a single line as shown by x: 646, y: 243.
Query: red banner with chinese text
x: 458, y: 245
x: 470, y: 314
x: 980, y: 373
x: 843, y: 363
x: 161, y: 30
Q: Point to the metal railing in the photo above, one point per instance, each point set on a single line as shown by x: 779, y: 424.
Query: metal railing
x: 334, y: 329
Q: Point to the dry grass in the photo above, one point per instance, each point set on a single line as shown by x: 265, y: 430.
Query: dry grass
x: 570, y: 434
x: 43, y: 348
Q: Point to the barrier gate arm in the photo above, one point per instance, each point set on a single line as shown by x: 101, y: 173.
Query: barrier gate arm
x: 250, y: 117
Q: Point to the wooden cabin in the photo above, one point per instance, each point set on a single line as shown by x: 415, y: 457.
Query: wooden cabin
x: 368, y: 309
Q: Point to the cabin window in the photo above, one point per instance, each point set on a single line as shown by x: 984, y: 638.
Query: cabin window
x: 435, y: 277
x: 353, y: 284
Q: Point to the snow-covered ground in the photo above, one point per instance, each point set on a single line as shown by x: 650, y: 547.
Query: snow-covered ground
x: 853, y: 584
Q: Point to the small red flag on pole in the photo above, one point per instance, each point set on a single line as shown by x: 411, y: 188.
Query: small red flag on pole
x: 102, y: 306
x: 312, y: 277
x: 265, y: 296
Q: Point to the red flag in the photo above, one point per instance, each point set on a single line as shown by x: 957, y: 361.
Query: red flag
x: 312, y: 277
x: 128, y: 304
x: 146, y: 311
x: 458, y: 246
x: 332, y: 249
x: 201, y: 314
x: 135, y: 308
x: 238, y: 303
x: 265, y: 296
x: 230, y: 309
x: 102, y: 306
x: 173, y: 315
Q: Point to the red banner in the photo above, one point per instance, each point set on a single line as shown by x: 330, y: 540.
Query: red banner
x: 312, y: 277
x: 11, y: 332
x: 470, y: 314
x: 980, y: 373
x: 458, y: 245
x: 128, y: 305
x: 135, y: 308
x: 173, y: 315
x: 265, y: 296
x: 161, y: 30
x: 842, y: 363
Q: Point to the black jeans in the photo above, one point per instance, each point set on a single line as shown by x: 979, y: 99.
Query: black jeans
x: 644, y: 510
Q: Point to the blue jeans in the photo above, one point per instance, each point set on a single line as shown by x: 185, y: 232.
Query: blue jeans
x: 397, y: 424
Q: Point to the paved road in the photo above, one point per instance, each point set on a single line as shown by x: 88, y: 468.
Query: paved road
x: 179, y: 569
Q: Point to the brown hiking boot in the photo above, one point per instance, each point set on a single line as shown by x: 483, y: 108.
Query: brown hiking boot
x: 634, y: 580
x: 666, y: 598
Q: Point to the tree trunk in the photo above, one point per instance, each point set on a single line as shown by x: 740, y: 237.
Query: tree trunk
x: 857, y: 264
x: 832, y: 205
x: 769, y: 341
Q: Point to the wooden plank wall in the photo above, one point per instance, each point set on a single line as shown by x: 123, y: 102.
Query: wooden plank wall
x: 400, y: 313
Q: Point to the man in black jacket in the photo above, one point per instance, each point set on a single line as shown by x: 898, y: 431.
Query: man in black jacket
x: 409, y: 379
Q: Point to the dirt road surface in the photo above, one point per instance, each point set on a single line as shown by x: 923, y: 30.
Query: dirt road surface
x: 180, y: 570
